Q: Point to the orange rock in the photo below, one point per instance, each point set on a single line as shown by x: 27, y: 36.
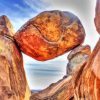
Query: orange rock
x: 50, y: 34
x: 6, y: 27
x: 13, y: 83
x: 87, y: 85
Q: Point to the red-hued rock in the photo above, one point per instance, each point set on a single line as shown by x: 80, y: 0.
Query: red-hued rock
x: 50, y: 34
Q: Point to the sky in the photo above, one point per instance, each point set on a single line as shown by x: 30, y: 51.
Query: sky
x: 42, y: 74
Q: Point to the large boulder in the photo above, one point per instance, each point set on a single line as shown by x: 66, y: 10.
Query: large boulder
x: 50, y: 34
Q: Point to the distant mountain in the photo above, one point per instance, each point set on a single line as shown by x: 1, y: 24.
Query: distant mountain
x: 35, y: 91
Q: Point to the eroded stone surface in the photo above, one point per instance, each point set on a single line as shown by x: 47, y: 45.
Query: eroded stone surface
x: 64, y: 89
x: 88, y: 85
x: 50, y: 34
x: 13, y: 84
x: 6, y: 27
x: 77, y: 57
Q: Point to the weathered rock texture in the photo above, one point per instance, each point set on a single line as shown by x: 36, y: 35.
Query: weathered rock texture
x: 56, y: 91
x: 50, y: 34
x: 87, y: 83
x: 45, y: 37
x: 5, y: 26
x: 13, y: 84
x: 84, y: 84
x: 77, y: 57
x: 64, y: 89
x: 97, y: 16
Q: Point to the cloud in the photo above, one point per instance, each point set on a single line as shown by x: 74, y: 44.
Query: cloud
x: 20, y: 11
x: 39, y: 5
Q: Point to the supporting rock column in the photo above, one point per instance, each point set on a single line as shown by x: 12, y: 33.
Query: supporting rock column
x: 13, y: 83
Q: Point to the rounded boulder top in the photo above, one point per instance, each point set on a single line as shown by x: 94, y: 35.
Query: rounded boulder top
x: 50, y: 34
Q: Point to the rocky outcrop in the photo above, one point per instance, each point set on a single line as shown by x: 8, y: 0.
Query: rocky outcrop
x: 84, y: 84
x: 97, y: 16
x: 13, y: 83
x: 64, y: 89
x: 45, y: 37
x: 84, y: 80
x: 87, y: 83
x: 56, y: 91
x: 5, y: 26
x: 77, y: 57
x: 50, y: 34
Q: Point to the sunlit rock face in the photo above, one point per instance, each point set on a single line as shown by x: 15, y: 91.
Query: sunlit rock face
x: 64, y: 89
x: 45, y: 37
x: 87, y: 87
x: 56, y: 91
x: 97, y: 16
x: 83, y: 84
x: 50, y: 34
x: 77, y: 57
x: 6, y: 27
x: 13, y: 84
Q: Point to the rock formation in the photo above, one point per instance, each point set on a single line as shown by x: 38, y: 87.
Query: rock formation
x: 83, y: 84
x: 77, y: 57
x: 64, y: 89
x: 84, y: 80
x: 56, y: 91
x: 5, y: 26
x: 97, y: 16
x: 50, y: 34
x: 87, y: 82
x: 13, y: 84
x: 45, y: 37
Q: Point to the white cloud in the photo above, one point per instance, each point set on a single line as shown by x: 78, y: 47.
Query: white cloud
x: 21, y: 9
x: 37, y: 5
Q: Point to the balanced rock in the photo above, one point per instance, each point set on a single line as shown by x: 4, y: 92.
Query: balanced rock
x: 50, y: 34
